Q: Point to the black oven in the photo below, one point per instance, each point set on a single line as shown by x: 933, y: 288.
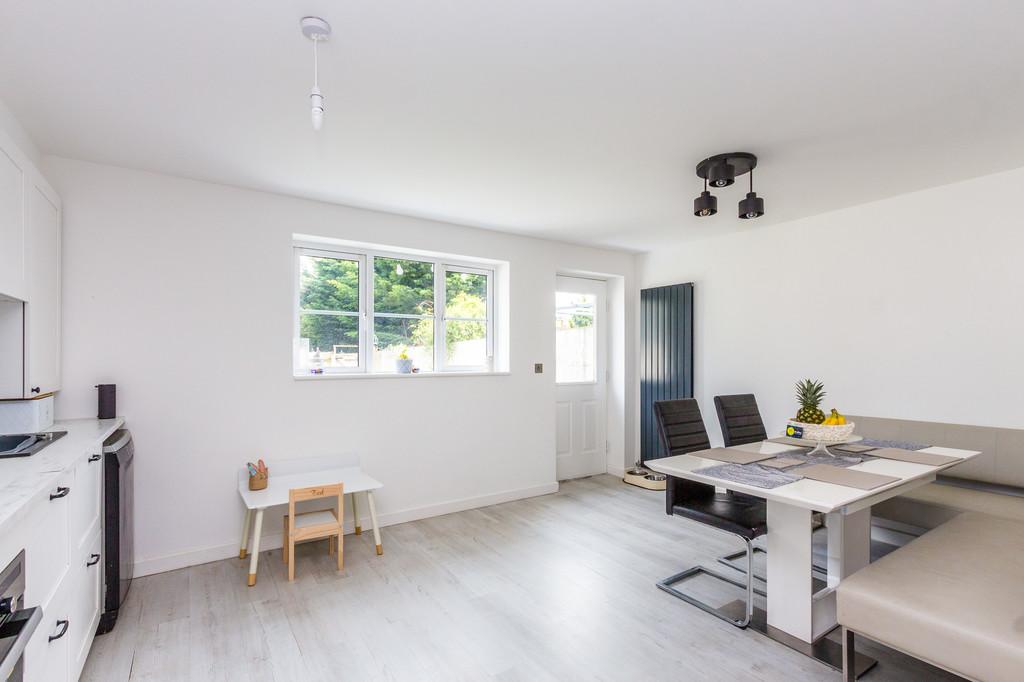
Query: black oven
x: 16, y: 622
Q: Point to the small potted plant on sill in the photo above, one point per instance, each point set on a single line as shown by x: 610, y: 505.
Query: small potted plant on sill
x: 403, y: 363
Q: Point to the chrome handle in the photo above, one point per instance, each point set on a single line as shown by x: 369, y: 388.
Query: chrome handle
x: 62, y: 491
x: 93, y: 560
x: 63, y: 625
x: 95, y: 458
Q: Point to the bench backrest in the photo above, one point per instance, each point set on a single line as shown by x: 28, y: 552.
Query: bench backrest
x: 1002, y: 450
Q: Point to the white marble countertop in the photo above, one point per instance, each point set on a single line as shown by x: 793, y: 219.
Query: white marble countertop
x: 23, y: 479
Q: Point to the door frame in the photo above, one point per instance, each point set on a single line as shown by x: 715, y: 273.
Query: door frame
x: 619, y: 399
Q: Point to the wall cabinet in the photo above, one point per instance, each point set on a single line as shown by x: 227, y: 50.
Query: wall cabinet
x: 30, y: 232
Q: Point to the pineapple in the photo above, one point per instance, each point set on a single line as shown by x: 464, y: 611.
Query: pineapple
x: 810, y: 394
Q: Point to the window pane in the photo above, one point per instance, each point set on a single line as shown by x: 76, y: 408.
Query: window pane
x: 329, y: 341
x: 405, y: 287
x: 328, y: 284
x: 466, y: 343
x: 575, y: 340
x: 395, y: 336
x: 465, y: 295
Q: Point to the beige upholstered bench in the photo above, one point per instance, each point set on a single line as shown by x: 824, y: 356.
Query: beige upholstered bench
x: 992, y: 483
x: 953, y: 597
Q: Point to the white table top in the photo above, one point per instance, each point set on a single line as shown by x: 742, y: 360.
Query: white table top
x: 276, y: 492
x: 815, y: 495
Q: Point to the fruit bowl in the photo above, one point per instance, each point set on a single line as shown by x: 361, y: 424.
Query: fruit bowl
x: 823, y: 434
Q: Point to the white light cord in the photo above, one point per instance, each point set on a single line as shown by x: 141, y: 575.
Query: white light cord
x: 316, y: 64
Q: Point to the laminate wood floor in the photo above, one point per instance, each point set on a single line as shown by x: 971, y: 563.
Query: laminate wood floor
x: 559, y: 587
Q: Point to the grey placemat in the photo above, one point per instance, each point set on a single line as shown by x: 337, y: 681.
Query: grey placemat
x: 902, y: 444
x: 914, y: 456
x: 731, y: 456
x: 749, y: 474
x: 852, y: 478
x: 780, y: 462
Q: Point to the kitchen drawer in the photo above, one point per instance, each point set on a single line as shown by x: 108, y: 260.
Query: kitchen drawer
x: 84, y: 503
x: 46, y: 553
x: 86, y: 574
x: 46, y: 660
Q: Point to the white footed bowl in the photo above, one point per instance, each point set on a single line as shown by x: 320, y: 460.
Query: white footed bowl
x: 825, y: 434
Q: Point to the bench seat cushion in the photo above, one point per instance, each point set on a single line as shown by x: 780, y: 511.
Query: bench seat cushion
x: 931, y: 505
x: 953, y: 597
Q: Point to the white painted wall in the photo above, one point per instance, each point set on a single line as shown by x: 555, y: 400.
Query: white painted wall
x: 180, y: 292
x: 911, y: 307
x: 12, y: 127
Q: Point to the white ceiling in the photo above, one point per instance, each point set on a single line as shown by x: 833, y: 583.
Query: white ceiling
x: 568, y: 119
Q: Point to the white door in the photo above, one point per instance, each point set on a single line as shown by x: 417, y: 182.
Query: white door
x: 581, y: 378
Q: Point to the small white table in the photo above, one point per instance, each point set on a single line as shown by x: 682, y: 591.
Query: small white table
x: 802, y: 614
x: 303, y: 473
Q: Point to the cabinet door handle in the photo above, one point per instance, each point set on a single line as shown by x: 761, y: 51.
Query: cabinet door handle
x: 93, y: 560
x: 63, y: 625
x: 62, y: 491
x: 95, y: 458
x: 35, y: 389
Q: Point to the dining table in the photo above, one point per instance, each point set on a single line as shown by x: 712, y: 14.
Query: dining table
x: 800, y: 606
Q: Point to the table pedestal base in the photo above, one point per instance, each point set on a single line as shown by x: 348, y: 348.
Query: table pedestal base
x: 825, y: 650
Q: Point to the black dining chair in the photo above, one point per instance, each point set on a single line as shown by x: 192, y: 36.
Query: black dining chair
x: 681, y: 430
x: 741, y: 424
x: 740, y: 419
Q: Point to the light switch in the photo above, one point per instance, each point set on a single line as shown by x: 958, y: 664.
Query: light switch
x: 538, y: 368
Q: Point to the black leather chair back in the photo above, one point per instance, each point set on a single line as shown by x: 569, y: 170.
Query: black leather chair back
x: 680, y: 426
x: 681, y: 429
x: 740, y: 419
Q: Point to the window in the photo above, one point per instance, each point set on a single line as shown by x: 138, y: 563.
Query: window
x: 575, y: 338
x: 388, y: 313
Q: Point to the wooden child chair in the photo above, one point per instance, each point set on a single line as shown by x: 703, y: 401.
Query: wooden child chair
x: 314, y: 525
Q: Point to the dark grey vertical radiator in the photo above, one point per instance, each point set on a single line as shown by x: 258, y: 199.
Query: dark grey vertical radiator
x: 666, y: 363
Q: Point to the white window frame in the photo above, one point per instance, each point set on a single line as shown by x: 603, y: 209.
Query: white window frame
x: 297, y: 315
x: 367, y: 315
x: 442, y: 335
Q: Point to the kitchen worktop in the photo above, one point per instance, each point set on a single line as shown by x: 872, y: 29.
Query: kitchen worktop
x: 23, y: 479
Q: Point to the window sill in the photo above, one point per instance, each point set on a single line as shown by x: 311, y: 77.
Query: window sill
x: 394, y: 375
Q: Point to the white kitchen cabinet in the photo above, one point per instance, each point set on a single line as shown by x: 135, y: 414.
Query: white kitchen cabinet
x: 12, y: 221
x: 87, y: 574
x: 64, y: 572
x: 30, y: 235
x: 42, y: 310
x: 48, y: 547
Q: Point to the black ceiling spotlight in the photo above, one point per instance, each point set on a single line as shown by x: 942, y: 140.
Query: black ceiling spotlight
x: 722, y: 170
x: 706, y: 204
x: 752, y: 206
x: 721, y: 174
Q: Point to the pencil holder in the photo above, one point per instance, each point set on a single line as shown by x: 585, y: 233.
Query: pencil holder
x: 259, y: 481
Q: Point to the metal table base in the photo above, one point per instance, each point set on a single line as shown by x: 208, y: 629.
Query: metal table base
x: 825, y: 650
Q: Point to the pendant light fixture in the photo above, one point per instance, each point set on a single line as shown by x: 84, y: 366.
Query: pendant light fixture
x: 706, y: 204
x: 752, y: 206
x: 316, y: 29
x: 722, y: 170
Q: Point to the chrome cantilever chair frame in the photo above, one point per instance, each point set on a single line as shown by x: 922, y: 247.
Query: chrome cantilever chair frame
x: 667, y: 586
x: 689, y: 435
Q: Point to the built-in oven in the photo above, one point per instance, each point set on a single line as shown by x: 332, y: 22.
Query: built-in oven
x: 16, y: 622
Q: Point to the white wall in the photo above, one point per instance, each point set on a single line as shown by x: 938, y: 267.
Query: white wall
x: 180, y: 292
x: 911, y: 307
x: 12, y: 127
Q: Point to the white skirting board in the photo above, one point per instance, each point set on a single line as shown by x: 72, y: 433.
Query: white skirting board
x: 204, y: 555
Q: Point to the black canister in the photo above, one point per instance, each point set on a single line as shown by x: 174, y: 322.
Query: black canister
x: 107, y: 401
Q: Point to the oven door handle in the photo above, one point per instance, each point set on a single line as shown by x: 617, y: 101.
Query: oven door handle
x: 20, y: 625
